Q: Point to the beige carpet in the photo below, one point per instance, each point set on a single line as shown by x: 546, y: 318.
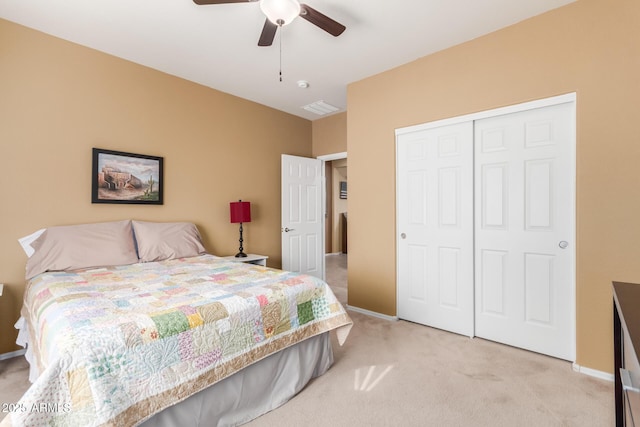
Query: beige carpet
x: 404, y: 374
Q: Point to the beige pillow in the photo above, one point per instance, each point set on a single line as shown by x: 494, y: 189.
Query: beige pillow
x: 82, y: 246
x: 158, y: 241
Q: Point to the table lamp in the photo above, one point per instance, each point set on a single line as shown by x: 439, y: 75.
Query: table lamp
x: 240, y: 212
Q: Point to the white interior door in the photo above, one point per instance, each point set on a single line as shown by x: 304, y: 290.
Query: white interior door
x: 524, y: 230
x: 435, y: 227
x: 302, y: 215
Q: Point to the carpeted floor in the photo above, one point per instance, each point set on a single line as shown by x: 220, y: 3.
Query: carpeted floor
x: 404, y: 374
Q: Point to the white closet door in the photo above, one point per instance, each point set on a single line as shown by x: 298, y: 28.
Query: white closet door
x: 435, y: 227
x: 525, y: 228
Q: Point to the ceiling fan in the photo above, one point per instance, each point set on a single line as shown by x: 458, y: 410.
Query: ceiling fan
x: 282, y: 12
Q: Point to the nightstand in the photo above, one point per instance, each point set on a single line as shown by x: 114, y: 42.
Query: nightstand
x: 249, y: 259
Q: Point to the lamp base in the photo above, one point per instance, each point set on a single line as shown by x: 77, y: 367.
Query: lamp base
x: 241, y: 254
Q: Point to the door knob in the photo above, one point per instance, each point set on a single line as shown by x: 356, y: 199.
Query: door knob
x: 563, y: 244
x: 287, y: 229
x: 403, y: 236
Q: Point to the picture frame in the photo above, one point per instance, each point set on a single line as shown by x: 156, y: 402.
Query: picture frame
x: 343, y: 190
x: 127, y: 178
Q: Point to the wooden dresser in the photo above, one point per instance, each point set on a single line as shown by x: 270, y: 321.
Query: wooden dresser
x: 626, y: 330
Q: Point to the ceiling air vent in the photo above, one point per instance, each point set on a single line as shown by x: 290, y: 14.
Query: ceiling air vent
x: 320, y: 108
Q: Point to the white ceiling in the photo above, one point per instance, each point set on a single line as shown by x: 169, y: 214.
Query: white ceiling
x: 216, y: 45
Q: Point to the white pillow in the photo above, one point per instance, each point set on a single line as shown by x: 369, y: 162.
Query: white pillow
x: 26, y: 242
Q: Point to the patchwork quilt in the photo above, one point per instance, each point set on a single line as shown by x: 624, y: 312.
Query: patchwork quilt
x: 116, y: 345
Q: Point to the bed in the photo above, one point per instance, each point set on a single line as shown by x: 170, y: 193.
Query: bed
x: 163, y: 333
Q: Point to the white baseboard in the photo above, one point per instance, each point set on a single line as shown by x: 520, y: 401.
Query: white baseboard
x: 12, y: 354
x: 372, y: 313
x: 334, y: 253
x: 593, y: 373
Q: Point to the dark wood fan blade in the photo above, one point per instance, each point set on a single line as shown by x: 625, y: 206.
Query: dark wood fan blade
x: 201, y: 2
x: 322, y: 21
x: 268, y: 33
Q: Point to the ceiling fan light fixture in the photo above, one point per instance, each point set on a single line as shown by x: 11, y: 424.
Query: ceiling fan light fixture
x: 280, y: 12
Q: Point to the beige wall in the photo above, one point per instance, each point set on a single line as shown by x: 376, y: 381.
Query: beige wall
x: 330, y: 135
x: 591, y: 47
x: 58, y: 100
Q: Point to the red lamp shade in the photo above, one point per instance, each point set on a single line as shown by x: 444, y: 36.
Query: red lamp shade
x: 240, y: 211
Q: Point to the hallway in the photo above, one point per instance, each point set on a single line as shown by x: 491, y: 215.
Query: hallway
x: 336, y: 275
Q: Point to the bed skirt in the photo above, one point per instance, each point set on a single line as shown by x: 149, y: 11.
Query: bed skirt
x: 253, y: 391
x: 245, y: 395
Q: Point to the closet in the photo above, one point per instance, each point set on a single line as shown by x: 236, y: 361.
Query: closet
x: 486, y: 225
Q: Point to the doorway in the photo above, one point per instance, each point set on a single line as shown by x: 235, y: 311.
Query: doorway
x: 336, y: 223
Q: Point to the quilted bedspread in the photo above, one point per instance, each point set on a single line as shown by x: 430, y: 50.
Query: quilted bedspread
x: 116, y: 345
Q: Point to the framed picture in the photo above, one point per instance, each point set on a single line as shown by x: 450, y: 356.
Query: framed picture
x: 343, y: 190
x: 126, y: 178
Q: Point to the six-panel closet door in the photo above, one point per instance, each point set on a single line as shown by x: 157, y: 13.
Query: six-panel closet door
x: 435, y: 222
x: 524, y: 230
x: 485, y: 223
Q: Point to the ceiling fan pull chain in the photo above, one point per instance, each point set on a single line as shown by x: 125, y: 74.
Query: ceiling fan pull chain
x: 281, y: 34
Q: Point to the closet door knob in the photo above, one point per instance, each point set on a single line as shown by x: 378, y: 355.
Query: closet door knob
x: 403, y: 236
x: 563, y: 244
